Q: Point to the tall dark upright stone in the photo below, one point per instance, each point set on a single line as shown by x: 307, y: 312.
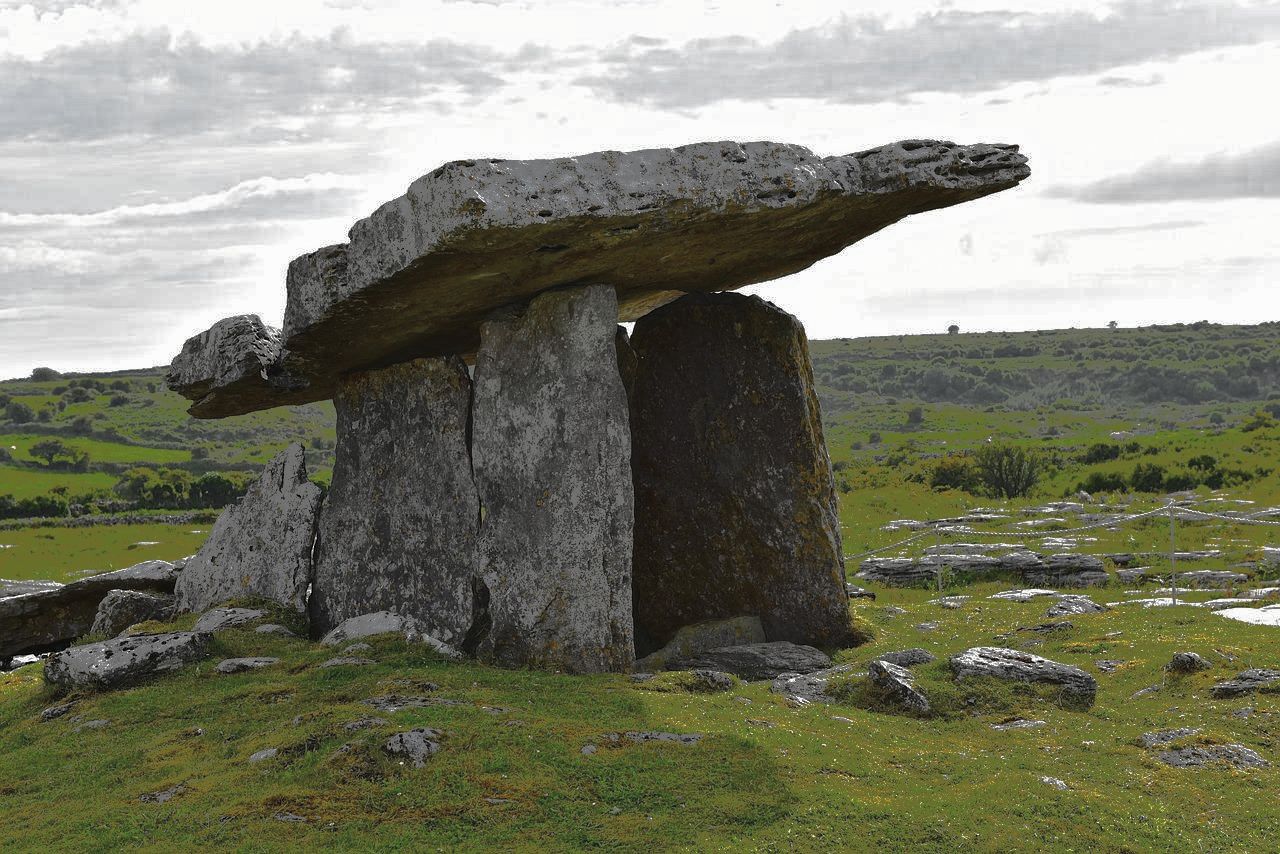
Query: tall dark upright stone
x: 398, y: 527
x: 735, y: 500
x: 551, y: 449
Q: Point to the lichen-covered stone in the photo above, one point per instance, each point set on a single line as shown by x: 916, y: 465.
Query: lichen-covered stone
x: 123, y: 661
x: 713, y: 634
x: 261, y: 545
x: 231, y: 359
x: 756, y: 661
x: 1079, y: 688
x: 898, y: 684
x: 36, y: 617
x: 551, y: 451
x: 419, y: 275
x: 398, y: 528
x: 120, y: 609
x: 735, y: 500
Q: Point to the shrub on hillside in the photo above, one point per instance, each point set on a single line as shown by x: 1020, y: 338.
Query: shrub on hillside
x: 1101, y: 452
x: 17, y: 412
x: 1147, y: 477
x: 1007, y: 471
x: 955, y: 471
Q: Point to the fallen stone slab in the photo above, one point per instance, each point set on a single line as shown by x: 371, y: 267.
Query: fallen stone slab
x: 348, y: 661
x: 1012, y: 664
x: 802, y: 689
x: 221, y: 619
x: 386, y: 623
x: 261, y: 545
x: 425, y: 269
x: 757, y: 661
x: 1018, y: 723
x: 856, y: 592
x: 414, y: 747
x: 1024, y: 595
x: 37, y: 617
x: 242, y: 665
x: 907, y: 657
x: 1069, y: 605
x: 551, y: 453
x: 700, y: 637
x: 736, y: 509
x: 1235, y: 755
x: 899, y: 684
x: 1246, y: 682
x: 1162, y: 737
x: 120, y: 609
x: 124, y: 661
x: 398, y: 528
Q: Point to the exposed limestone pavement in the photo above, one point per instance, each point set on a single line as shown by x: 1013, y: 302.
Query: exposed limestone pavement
x: 1079, y: 687
x: 124, y: 661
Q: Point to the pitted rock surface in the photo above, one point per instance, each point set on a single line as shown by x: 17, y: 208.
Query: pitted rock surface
x: 899, y: 684
x: 261, y: 545
x: 908, y: 657
x: 735, y: 499
x: 123, y: 661
x: 551, y: 450
x: 37, y: 616
x: 120, y: 609
x: 1013, y: 664
x: 758, y: 660
x: 1246, y: 682
x: 425, y: 269
x: 398, y: 528
x: 415, y: 746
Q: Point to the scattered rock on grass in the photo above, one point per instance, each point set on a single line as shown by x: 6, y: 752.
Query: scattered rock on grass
x: 710, y: 681
x: 274, y: 629
x: 240, y: 665
x: 856, y: 592
x: 1017, y: 723
x: 88, y: 725
x: 54, y: 712
x: 1166, y: 736
x: 264, y: 755
x: 1246, y: 682
x: 123, y: 661
x: 415, y: 746
x: 1023, y: 595
x: 348, y: 661
x: 384, y: 623
x: 363, y: 723
x: 908, y: 657
x: 393, y: 702
x: 760, y: 660
x: 1055, y: 783
x: 899, y: 684
x: 928, y: 627
x: 950, y: 602
x: 220, y: 619
x: 163, y: 795
x: 1236, y: 755
x: 1020, y: 666
x: 1068, y: 605
x: 1187, y: 662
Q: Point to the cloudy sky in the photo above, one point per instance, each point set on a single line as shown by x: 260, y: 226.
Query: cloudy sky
x: 161, y: 162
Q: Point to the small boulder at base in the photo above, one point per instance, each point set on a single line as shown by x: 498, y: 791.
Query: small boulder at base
x: 699, y: 637
x: 757, y: 661
x: 123, y: 661
x: 907, y: 657
x: 899, y: 684
x: 415, y: 746
x: 709, y: 681
x: 261, y: 545
x: 1187, y: 662
x: 996, y: 662
x: 385, y: 623
x: 241, y: 665
x: 220, y: 619
x: 120, y: 609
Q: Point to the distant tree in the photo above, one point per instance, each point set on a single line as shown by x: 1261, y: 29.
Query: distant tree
x: 118, y: 400
x: 1007, y: 471
x: 953, y: 330
x: 1147, y: 477
x: 82, y: 425
x: 122, y: 385
x: 1112, y: 325
x: 78, y: 394
x: 915, y: 416
x: 45, y: 415
x: 49, y: 450
x: 18, y: 412
x: 1261, y: 420
x: 41, y: 375
x: 1217, y: 418
x: 875, y: 438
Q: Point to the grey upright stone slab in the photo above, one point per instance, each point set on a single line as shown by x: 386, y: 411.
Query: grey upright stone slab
x: 735, y: 500
x: 398, y: 528
x: 261, y: 545
x: 419, y: 275
x: 552, y: 450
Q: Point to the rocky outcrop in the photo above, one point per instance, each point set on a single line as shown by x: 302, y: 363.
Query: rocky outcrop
x: 1187, y: 662
x: 398, y: 528
x: 1234, y: 755
x: 907, y: 657
x: 425, y: 269
x: 124, y: 661
x: 236, y: 356
x: 1069, y: 605
x: 261, y: 545
x: 1246, y: 682
x: 700, y: 637
x: 1078, y: 687
x: 757, y: 661
x: 120, y: 609
x: 1067, y: 570
x: 1054, y: 570
x: 735, y: 500
x: 551, y: 451
x: 45, y: 615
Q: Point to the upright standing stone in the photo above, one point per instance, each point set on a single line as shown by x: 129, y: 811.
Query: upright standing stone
x: 398, y: 529
x: 261, y: 545
x: 735, y: 501
x: 552, y: 449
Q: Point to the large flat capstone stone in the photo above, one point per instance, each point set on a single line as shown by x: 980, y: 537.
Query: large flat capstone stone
x: 552, y: 451
x: 398, y: 528
x: 420, y: 274
x: 261, y: 545
x: 735, y: 500
x: 37, y: 616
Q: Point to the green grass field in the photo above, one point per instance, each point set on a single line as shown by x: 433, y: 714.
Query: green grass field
x: 66, y: 554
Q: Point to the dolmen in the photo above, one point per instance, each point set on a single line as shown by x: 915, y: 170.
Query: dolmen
x: 516, y: 473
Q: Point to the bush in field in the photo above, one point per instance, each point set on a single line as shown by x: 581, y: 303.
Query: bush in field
x: 118, y: 400
x: 1007, y: 471
x: 955, y: 471
x: 915, y: 416
x: 1100, y: 482
x: 1147, y: 477
x: 1101, y: 452
x: 1261, y: 420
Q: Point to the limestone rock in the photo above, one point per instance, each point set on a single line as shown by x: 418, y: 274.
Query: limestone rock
x: 1235, y: 755
x: 551, y: 451
x: 709, y: 681
x: 415, y: 746
x: 386, y: 623
x: 712, y: 634
x: 1168, y: 736
x: 1068, y: 570
x: 398, y: 528
x: 234, y: 357
x: 907, y: 657
x: 123, y: 661
x: 261, y: 545
x: 735, y: 500
x: 120, y: 609
x: 425, y: 269
x: 758, y: 660
x: 221, y: 619
x: 1187, y: 662
x: 348, y: 661
x: 1068, y: 605
x: 999, y: 663
x: 899, y: 684
x: 801, y: 689
x: 39, y: 616
x: 1246, y: 682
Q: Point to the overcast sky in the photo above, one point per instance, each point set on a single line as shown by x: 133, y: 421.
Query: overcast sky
x: 161, y: 162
